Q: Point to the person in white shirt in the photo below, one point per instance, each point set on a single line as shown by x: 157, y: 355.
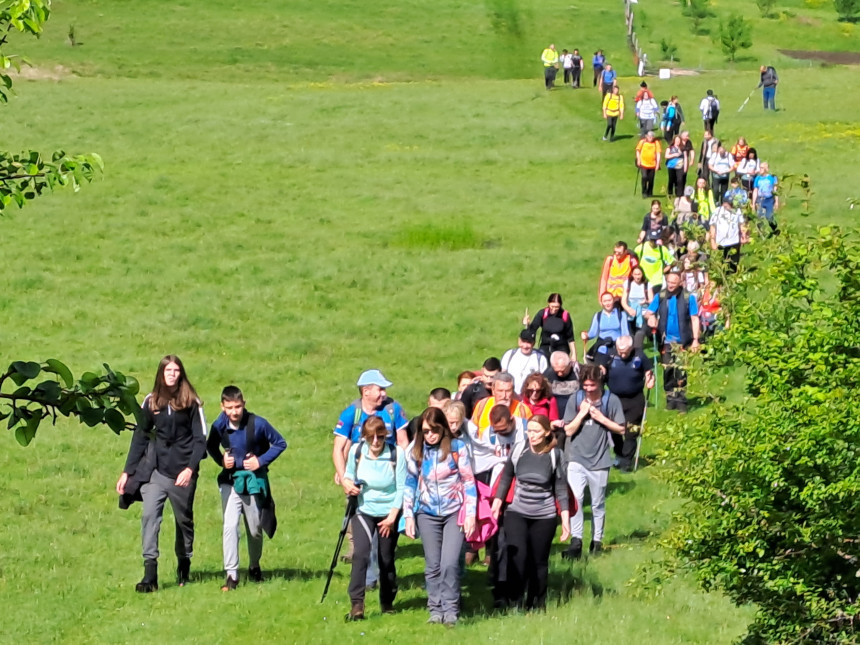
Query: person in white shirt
x: 710, y: 109
x: 728, y: 233
x: 649, y: 111
x: 524, y: 360
x: 566, y: 60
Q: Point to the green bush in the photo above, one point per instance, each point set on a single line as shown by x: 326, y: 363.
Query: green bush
x: 773, y: 480
x: 697, y: 11
x: 848, y: 10
x: 765, y: 7
x: 735, y: 34
x: 668, y: 49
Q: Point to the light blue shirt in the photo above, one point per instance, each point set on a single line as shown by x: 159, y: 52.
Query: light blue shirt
x: 381, y: 480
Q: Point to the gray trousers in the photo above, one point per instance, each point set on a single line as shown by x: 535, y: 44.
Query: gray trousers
x: 234, y: 505
x: 578, y: 477
x: 443, y: 542
x: 155, y: 493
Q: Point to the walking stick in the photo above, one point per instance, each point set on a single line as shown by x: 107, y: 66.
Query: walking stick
x: 641, y: 432
x: 747, y: 99
x: 351, y: 505
x: 636, y: 183
x: 656, y: 372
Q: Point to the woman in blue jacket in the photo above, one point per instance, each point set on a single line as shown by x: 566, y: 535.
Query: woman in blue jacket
x: 440, y: 496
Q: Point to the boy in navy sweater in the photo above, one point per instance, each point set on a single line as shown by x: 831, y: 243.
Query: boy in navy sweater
x: 250, y: 444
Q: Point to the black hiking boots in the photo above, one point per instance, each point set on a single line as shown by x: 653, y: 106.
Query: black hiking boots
x: 150, y: 577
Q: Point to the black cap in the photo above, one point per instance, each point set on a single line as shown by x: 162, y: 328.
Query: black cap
x: 527, y: 336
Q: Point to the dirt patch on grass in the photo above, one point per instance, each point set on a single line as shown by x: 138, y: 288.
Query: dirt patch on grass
x: 56, y: 73
x: 834, y: 58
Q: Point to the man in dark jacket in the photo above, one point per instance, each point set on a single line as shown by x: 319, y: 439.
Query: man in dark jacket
x: 628, y: 373
x: 250, y: 444
x: 675, y: 316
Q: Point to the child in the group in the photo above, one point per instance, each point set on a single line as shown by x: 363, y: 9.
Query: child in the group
x: 250, y: 445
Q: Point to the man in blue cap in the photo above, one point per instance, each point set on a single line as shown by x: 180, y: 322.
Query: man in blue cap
x: 372, y: 401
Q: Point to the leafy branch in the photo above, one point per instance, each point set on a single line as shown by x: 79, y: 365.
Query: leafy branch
x: 94, y: 398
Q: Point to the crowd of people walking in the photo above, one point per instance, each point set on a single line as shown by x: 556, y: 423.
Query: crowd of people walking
x: 500, y: 462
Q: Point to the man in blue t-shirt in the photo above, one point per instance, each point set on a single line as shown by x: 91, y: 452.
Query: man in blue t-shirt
x: 607, y: 79
x: 764, y: 196
x: 675, y: 317
x: 372, y: 401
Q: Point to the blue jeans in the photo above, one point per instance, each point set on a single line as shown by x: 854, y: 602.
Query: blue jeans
x: 769, y: 96
x: 765, y: 208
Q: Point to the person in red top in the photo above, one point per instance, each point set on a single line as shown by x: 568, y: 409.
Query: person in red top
x: 616, y: 270
x: 538, y: 398
x: 648, y: 156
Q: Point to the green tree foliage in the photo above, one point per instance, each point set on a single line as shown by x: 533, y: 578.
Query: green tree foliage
x: 735, y: 34
x: 848, y: 10
x: 773, y: 480
x: 29, y: 391
x: 668, y: 49
x: 697, y: 11
x: 765, y: 7
x: 35, y: 391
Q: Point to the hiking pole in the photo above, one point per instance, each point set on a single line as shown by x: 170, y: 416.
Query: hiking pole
x: 641, y: 431
x: 747, y: 99
x: 657, y: 372
x: 351, y: 505
x: 636, y: 183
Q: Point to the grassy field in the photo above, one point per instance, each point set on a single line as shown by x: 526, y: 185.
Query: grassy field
x: 283, y: 218
x: 791, y: 25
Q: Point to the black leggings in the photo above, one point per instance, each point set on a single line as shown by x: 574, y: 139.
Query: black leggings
x: 611, y: 122
x: 647, y: 181
x: 528, y: 542
x: 363, y: 529
x: 676, y: 181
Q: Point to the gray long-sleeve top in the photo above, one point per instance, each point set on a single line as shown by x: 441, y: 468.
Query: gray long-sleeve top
x: 538, y: 485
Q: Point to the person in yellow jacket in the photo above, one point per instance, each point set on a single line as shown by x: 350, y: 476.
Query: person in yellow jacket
x: 549, y: 58
x: 613, y: 109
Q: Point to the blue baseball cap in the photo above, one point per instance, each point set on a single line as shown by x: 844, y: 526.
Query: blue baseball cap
x: 373, y: 377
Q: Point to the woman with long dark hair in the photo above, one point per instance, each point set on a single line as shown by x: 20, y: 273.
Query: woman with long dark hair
x: 531, y: 518
x: 556, y: 327
x: 440, y: 498
x: 162, y: 465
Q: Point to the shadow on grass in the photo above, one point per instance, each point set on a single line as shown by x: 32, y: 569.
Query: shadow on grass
x: 622, y: 487
x: 621, y: 137
x: 271, y: 574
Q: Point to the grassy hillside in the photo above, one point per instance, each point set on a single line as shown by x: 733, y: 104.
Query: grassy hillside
x: 284, y: 234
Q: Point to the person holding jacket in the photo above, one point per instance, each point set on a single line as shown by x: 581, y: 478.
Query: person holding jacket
x: 378, y: 470
x: 531, y: 518
x: 162, y: 464
x: 440, y: 488
x: 250, y: 445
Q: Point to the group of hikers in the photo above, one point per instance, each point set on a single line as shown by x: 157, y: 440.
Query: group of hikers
x: 498, y: 463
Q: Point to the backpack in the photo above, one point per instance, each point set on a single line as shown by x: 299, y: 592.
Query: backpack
x: 713, y: 109
x: 250, y: 439
x: 591, y: 354
x: 564, y: 315
x: 604, y: 400
x: 392, y: 456
x: 389, y: 407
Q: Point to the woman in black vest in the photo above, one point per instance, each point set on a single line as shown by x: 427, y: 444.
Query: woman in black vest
x: 556, y: 327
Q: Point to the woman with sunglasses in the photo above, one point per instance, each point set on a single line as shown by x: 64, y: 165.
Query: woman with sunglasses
x: 378, y: 469
x: 440, y: 495
x: 538, y: 398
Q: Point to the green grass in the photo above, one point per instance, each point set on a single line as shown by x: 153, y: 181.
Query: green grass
x: 793, y: 24
x: 284, y: 234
